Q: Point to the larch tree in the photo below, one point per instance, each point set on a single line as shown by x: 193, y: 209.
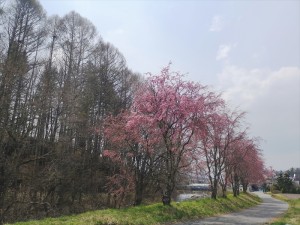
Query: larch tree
x: 57, y: 83
x: 22, y: 35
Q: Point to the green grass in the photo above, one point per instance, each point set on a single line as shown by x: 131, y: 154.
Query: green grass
x: 292, y: 216
x: 155, y: 213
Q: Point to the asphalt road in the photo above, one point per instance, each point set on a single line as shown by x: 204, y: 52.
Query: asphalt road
x: 261, y: 214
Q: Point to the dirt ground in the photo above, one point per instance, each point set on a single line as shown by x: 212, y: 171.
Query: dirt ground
x: 292, y: 196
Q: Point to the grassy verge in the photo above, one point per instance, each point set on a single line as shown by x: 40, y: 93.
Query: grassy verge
x: 292, y: 216
x: 155, y: 213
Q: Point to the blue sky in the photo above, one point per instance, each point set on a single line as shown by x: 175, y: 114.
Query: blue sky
x: 249, y: 50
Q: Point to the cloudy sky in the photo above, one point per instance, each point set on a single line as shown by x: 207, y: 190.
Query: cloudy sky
x: 248, y: 50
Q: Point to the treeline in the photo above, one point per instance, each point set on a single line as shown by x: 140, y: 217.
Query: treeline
x: 58, y: 81
x: 80, y: 131
x: 284, y: 181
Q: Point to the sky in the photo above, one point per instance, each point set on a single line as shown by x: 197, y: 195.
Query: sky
x: 247, y: 50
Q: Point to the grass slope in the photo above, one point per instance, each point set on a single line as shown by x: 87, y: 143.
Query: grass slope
x: 155, y: 213
x: 292, y: 216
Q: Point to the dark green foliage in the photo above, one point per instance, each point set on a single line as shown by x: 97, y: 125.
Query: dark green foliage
x: 284, y: 183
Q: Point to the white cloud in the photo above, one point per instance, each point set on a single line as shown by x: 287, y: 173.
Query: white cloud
x: 272, y: 100
x: 245, y: 85
x: 223, y: 52
x: 216, y: 24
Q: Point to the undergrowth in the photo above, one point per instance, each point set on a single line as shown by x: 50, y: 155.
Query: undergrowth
x: 155, y: 213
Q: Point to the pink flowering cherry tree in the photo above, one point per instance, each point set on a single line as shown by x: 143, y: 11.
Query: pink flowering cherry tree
x: 176, y: 110
x: 132, y: 147
x: 222, y: 130
x: 164, y: 125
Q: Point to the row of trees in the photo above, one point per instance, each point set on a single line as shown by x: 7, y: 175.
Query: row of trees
x: 79, y: 130
x: 58, y: 81
x: 285, y: 182
x: 174, y: 127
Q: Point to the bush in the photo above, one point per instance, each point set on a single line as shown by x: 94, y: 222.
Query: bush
x: 274, y: 189
x: 276, y: 192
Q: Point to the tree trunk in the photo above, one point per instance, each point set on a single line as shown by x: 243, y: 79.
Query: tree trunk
x: 166, y: 199
x: 2, y: 194
x: 245, y: 187
x: 224, y: 191
x: 138, y: 194
x: 214, y: 192
x: 236, y: 188
x: 214, y: 188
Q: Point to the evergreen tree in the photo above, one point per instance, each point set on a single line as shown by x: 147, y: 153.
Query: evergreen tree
x: 284, y: 182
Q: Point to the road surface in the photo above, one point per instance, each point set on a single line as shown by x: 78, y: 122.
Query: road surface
x: 264, y: 212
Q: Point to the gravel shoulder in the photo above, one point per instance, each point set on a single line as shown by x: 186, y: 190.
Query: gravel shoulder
x: 269, y: 208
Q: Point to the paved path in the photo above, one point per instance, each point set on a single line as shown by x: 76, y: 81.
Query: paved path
x: 260, y: 214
